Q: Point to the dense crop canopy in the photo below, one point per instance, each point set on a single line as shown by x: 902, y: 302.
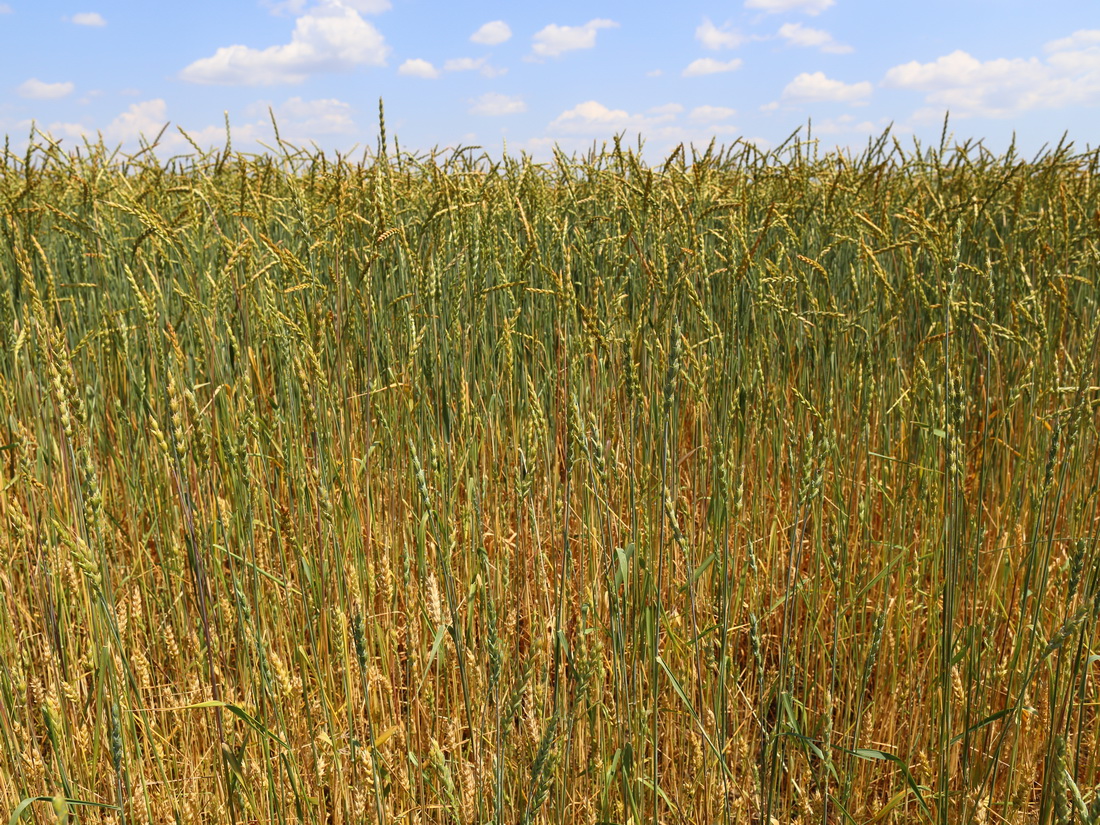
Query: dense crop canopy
x: 444, y: 489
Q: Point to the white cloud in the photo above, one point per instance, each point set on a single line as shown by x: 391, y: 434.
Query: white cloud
x: 5, y: 8
x: 716, y: 38
x: 472, y: 64
x: 1077, y: 59
x: 654, y: 73
x: 368, y: 6
x: 712, y: 113
x: 708, y: 65
x: 554, y: 40
x: 416, y: 67
x: 593, y: 118
x: 62, y: 130
x: 464, y: 64
x: 815, y: 87
x: 776, y: 6
x: 298, y: 118
x: 1081, y: 39
x: 1005, y: 87
x: 300, y: 121
x: 36, y: 89
x: 849, y: 124
x: 88, y: 18
x: 494, y: 104
x: 214, y: 135
x: 661, y: 126
x: 146, y: 119
x: 296, y: 7
x: 331, y: 37
x: 798, y: 35
x: 666, y: 111
x: 492, y: 33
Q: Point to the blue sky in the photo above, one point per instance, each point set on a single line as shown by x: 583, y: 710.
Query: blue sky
x: 486, y: 73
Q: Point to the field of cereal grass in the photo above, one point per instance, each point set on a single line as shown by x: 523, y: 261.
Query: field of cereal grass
x: 742, y: 487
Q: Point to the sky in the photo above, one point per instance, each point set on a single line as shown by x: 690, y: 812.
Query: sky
x: 526, y: 76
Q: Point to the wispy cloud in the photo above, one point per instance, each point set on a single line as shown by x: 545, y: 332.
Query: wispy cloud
x: 144, y: 119
x: 777, y: 6
x: 712, y: 113
x: 464, y: 64
x: 554, y: 40
x: 473, y: 64
x: 713, y: 37
x: 815, y: 87
x: 851, y: 125
x: 494, y: 104
x: 798, y: 35
x: 492, y: 33
x: 1004, y: 87
x: 708, y: 65
x: 35, y: 89
x: 87, y: 18
x: 299, y: 121
x: 329, y: 38
x: 593, y: 118
x: 1080, y: 39
x: 298, y: 117
x: 296, y: 7
x: 662, y: 126
x: 417, y: 67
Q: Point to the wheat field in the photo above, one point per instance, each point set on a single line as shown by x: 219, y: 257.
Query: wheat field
x: 743, y: 487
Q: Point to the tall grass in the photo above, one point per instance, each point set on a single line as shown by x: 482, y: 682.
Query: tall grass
x: 748, y: 487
